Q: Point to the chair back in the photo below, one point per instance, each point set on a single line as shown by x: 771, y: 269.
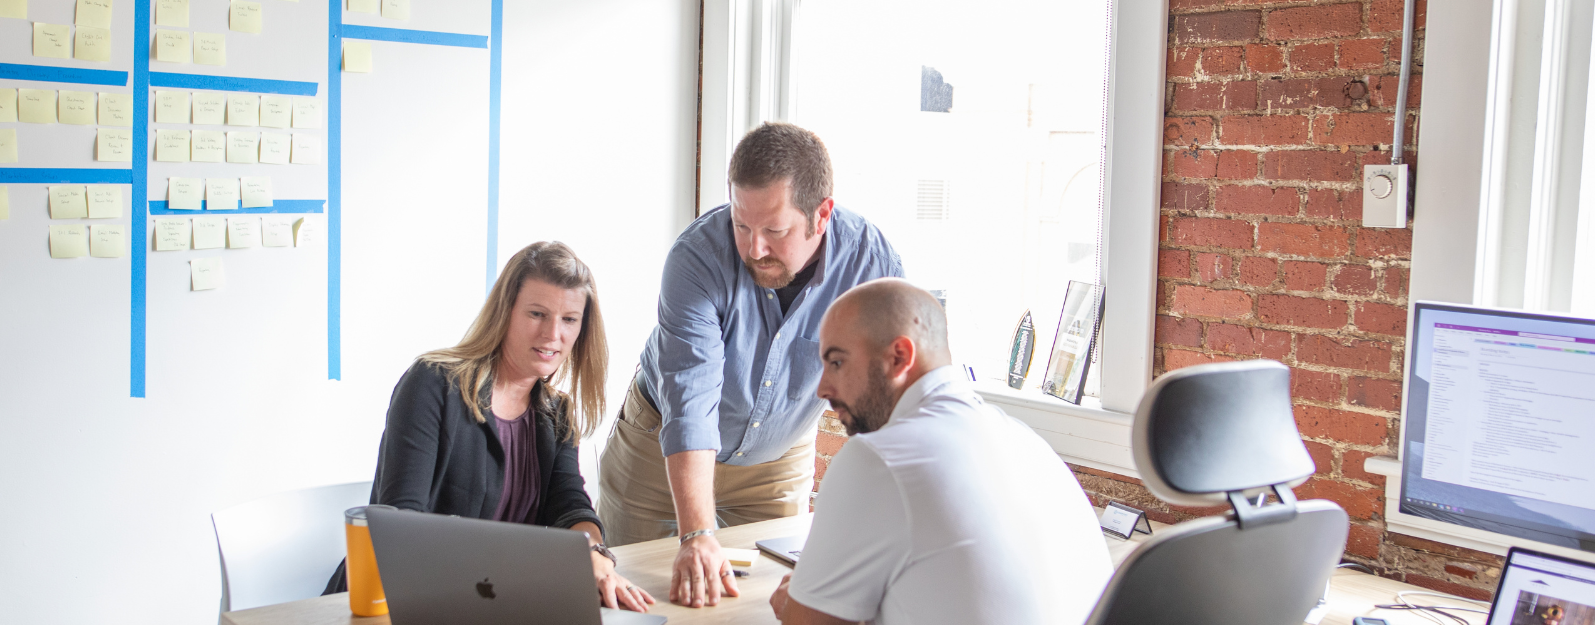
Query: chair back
x: 283, y: 547
x: 1225, y: 433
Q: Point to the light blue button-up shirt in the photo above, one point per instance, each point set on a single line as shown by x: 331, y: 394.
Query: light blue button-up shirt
x: 726, y: 369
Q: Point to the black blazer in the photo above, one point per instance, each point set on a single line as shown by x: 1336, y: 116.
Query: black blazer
x: 435, y: 457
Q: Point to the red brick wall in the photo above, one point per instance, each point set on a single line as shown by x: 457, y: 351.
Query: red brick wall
x: 1272, y: 108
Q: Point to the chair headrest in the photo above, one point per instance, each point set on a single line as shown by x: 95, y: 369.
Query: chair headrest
x: 1204, y: 431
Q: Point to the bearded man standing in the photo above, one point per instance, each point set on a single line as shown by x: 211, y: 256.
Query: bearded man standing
x: 718, y: 427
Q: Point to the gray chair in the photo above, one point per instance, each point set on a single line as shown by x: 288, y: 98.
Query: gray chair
x: 1216, y: 434
x: 283, y: 547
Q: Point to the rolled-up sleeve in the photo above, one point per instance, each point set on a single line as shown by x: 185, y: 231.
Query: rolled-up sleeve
x: 691, y: 356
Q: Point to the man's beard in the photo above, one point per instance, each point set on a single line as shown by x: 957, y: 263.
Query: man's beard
x: 765, y: 280
x: 872, y: 409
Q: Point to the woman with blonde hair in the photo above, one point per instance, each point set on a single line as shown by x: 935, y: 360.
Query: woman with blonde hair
x: 482, y: 430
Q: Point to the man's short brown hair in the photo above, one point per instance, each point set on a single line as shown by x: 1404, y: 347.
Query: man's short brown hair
x: 779, y: 151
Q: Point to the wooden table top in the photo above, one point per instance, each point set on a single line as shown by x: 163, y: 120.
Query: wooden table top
x: 1351, y: 593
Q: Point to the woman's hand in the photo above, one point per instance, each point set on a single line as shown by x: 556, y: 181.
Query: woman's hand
x: 616, y: 591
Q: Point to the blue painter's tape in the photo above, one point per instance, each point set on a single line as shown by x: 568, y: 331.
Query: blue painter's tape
x: 495, y: 90
x: 426, y: 37
x: 334, y: 190
x: 139, y: 281
x: 277, y: 207
x: 13, y: 71
x: 225, y: 83
x: 35, y: 175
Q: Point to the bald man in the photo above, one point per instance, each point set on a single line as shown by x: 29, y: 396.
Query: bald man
x: 940, y: 508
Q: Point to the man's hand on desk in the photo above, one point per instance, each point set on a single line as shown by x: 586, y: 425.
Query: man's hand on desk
x: 793, y: 613
x: 701, y: 574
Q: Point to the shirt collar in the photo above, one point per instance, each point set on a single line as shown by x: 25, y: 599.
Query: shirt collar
x: 936, y: 381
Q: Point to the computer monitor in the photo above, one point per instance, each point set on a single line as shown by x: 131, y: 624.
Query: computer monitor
x: 1499, y: 428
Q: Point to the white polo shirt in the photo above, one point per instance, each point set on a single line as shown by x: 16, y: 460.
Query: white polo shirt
x: 953, y: 512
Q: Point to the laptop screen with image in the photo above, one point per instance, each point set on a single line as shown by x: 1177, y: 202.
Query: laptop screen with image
x: 1540, y: 589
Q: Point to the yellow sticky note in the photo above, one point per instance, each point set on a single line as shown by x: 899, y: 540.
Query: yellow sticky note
x: 256, y: 191
x: 243, y: 147
x: 186, y: 194
x: 8, y: 105
x: 92, y: 44
x: 276, y: 231
x: 365, y: 6
x: 206, y: 274
x: 210, y: 108
x: 14, y: 8
x: 307, y: 149
x: 105, y: 201
x: 52, y: 40
x: 740, y: 558
x: 36, y: 106
x: 171, y: 234
x: 77, y: 107
x: 396, y: 9
x: 116, y: 109
x: 114, y: 145
x: 108, y: 241
x: 210, y: 232
x: 208, y: 146
x: 68, y: 241
x: 69, y: 202
x: 171, y: 107
x: 171, y: 13
x: 306, y: 232
x: 8, y: 145
x: 242, y: 232
x: 210, y: 49
x: 244, y: 17
x: 274, y: 148
x: 276, y: 111
x: 171, y: 46
x: 95, y: 13
x: 171, y: 146
x: 357, y: 56
x: 307, y: 113
x: 221, y: 194
x: 243, y: 110
x: 5, y: 202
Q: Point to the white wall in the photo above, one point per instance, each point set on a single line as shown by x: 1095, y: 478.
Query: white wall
x: 107, y: 498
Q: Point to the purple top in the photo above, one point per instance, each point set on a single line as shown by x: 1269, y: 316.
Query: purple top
x: 518, y: 436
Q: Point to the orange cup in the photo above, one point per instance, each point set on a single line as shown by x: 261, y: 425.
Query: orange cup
x: 365, y: 583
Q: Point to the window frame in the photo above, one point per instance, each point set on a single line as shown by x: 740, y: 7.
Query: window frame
x: 747, y: 65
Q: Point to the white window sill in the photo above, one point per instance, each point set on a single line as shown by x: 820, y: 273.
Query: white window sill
x: 1085, y: 435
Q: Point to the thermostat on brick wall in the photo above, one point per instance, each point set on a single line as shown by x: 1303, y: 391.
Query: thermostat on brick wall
x: 1384, y: 196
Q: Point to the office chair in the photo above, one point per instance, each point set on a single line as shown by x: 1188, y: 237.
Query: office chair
x: 1214, y: 434
x: 283, y: 547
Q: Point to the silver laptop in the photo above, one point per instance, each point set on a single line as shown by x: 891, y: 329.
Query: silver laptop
x: 445, y: 569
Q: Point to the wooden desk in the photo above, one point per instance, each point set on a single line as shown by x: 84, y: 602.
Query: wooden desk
x: 1351, y: 593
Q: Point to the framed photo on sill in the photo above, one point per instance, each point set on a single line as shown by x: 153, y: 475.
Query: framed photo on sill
x: 1076, y: 338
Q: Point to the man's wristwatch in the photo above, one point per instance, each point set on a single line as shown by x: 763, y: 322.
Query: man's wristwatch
x: 604, y: 551
x: 694, y: 534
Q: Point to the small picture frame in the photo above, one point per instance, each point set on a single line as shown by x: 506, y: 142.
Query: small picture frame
x: 1076, y: 339
x: 1121, y: 521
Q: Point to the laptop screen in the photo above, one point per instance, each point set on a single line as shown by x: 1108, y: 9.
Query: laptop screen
x: 1541, y: 589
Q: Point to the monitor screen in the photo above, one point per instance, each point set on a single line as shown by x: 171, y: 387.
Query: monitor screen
x: 1538, y: 588
x: 1499, y: 430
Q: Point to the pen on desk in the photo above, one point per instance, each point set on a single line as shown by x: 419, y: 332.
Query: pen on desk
x: 739, y: 572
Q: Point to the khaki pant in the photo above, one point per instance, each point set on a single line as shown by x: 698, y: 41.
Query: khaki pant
x: 634, y: 500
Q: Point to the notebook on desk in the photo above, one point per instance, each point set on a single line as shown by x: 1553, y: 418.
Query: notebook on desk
x: 1539, y: 588
x: 787, y: 549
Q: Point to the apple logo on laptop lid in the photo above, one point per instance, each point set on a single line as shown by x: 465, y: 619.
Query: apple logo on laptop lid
x: 485, y: 589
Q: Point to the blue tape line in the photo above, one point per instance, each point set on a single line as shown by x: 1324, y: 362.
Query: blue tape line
x: 278, y: 207
x: 138, y: 327
x: 495, y: 90
x: 426, y: 37
x: 334, y: 189
x: 13, y: 71
x: 226, y: 83
x: 35, y: 175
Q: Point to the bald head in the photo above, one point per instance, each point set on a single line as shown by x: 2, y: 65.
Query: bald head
x: 881, y: 310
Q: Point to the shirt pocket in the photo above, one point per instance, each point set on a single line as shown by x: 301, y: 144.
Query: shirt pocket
x: 804, y: 364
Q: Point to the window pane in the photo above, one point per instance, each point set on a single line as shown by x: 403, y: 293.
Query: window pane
x: 970, y: 132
